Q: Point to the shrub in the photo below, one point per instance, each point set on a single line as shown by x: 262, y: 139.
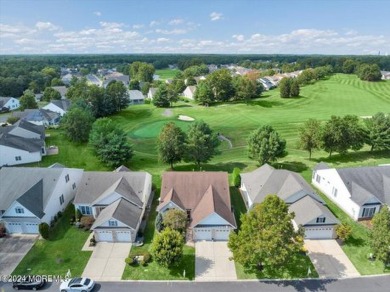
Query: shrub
x: 12, y: 120
x: 2, y: 230
x: 344, y: 231
x: 44, y: 230
x: 59, y: 214
x: 78, y: 214
x: 147, y: 257
x: 87, y: 221
x: 142, y: 263
x: 129, y: 261
x: 236, y: 177
x: 55, y: 218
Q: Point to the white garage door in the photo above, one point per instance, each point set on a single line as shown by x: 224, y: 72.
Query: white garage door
x: 30, y: 228
x: 123, y: 236
x: 319, y: 233
x: 104, y: 235
x: 202, y: 234
x: 14, y: 227
x: 221, y: 234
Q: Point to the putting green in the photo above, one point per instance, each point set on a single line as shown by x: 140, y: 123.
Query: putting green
x: 152, y: 130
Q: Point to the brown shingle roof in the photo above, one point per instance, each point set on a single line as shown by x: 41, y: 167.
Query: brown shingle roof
x: 202, y: 192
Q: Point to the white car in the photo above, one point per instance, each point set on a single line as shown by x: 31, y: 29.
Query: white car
x: 77, y: 284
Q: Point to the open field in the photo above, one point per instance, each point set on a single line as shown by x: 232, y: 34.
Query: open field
x: 166, y: 73
x: 340, y: 95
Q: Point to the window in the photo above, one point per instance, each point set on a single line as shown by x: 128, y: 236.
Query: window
x: 112, y: 223
x: 74, y: 186
x: 188, y: 214
x: 85, y: 210
x: 321, y: 220
x: 18, y: 158
x: 19, y: 210
x: 62, y: 199
x: 318, y: 179
x: 67, y: 178
x: 368, y: 212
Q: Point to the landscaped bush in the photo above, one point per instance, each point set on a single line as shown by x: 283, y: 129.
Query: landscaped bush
x: 59, y: 214
x: 236, y: 177
x: 86, y: 222
x: 147, y: 257
x: 2, y: 230
x: 343, y: 231
x: 78, y: 214
x: 129, y: 261
x: 44, y: 230
x: 12, y: 120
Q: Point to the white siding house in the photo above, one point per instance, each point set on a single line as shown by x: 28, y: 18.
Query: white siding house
x: 359, y: 191
x: 9, y: 102
x: 37, y: 198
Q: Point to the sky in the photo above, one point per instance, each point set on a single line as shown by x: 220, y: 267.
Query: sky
x: 203, y: 26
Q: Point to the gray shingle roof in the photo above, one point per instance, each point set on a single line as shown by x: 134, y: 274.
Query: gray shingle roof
x: 31, y: 127
x: 266, y: 180
x: 307, y: 209
x: 98, y: 184
x: 321, y: 165
x: 19, y: 181
x: 63, y: 104
x: 136, y: 95
x: 364, y: 183
x: 61, y: 89
x: 121, y: 210
x: 26, y: 144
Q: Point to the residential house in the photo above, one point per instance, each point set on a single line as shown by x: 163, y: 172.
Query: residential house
x: 93, y: 80
x: 67, y: 78
x: 59, y: 106
x: 151, y: 92
x: 199, y: 79
x: 9, y: 102
x: 189, y: 92
x: 359, y: 191
x: 32, y: 195
x: 136, y: 97
x: 125, y: 79
x: 21, y: 143
x: 117, y: 202
x: 62, y: 90
x: 205, y: 197
x: 43, y: 117
x: 309, y: 208
x: 267, y: 84
x: 385, y: 75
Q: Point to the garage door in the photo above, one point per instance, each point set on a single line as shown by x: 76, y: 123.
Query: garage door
x: 221, y: 234
x: 30, y: 228
x: 14, y: 227
x: 123, y: 236
x: 202, y: 234
x: 103, y: 235
x: 319, y: 233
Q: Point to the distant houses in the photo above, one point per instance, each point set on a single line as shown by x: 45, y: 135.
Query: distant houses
x: 9, y: 103
x: 385, y: 75
x: 136, y: 97
x: 151, y: 92
x: 189, y: 92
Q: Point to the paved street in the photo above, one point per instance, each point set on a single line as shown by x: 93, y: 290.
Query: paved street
x: 329, y: 259
x: 107, y: 261
x: 363, y: 284
x: 12, y: 251
x: 212, y: 262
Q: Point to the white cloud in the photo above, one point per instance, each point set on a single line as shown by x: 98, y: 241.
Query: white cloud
x: 138, y: 26
x: 40, y: 25
x: 173, y: 31
x: 215, y: 16
x: 176, y: 21
x: 238, y: 37
x: 154, y: 23
x: 98, y: 13
x: 162, y: 40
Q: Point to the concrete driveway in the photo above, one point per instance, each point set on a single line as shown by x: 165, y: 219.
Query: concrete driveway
x: 107, y: 261
x: 12, y: 251
x: 330, y: 260
x: 212, y: 262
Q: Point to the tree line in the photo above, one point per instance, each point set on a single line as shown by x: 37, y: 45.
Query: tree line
x: 340, y: 134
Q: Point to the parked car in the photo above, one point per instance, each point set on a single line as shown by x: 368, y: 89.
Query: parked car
x: 77, y: 284
x: 29, y: 283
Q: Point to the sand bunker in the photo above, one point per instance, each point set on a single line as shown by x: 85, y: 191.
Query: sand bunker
x: 185, y: 118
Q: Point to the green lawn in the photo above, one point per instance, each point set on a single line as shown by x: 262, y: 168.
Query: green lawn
x: 153, y: 271
x: 297, y: 268
x: 238, y: 203
x: 166, y: 73
x: 58, y: 254
x: 357, y: 247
